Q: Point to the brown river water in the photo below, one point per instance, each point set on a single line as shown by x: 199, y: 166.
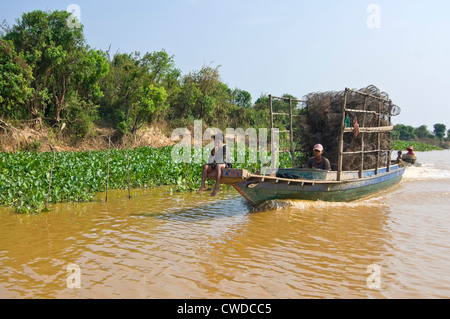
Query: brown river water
x: 164, y: 244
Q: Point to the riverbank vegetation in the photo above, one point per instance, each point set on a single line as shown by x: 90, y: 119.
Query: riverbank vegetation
x: 418, y: 146
x: 51, y: 80
x: 29, y: 180
x: 421, y: 137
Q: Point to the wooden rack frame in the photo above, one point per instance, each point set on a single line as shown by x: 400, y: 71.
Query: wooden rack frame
x: 292, y: 149
x: 365, y: 130
x: 362, y: 129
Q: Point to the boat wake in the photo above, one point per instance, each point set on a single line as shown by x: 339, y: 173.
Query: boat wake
x: 306, y: 204
x: 426, y: 172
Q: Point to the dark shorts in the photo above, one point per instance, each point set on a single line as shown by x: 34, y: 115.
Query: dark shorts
x: 213, y: 165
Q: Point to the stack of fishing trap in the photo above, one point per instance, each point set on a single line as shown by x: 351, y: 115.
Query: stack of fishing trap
x: 367, y: 110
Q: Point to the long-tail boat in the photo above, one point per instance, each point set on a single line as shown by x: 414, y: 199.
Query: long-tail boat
x: 321, y: 185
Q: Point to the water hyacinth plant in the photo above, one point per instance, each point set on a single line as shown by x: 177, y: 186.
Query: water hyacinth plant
x: 77, y: 176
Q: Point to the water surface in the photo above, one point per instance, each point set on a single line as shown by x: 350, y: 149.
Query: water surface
x: 163, y: 244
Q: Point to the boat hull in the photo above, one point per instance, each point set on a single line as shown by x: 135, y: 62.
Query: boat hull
x: 256, y: 190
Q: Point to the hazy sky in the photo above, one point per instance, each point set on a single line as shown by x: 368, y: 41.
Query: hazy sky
x: 295, y: 47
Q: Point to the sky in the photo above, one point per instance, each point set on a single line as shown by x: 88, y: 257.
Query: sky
x: 286, y: 46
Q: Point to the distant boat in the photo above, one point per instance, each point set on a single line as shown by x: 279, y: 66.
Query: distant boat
x: 321, y: 185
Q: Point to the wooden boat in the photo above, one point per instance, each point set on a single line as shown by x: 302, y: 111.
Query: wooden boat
x: 307, y: 184
x: 320, y: 185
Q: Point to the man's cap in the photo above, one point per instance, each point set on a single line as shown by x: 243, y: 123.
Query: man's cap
x: 410, y: 148
x: 318, y: 147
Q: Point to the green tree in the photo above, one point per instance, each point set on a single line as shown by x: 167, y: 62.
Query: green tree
x: 439, y: 130
x: 395, y: 134
x: 404, y: 132
x: 200, y: 95
x: 60, y: 61
x: 160, y: 66
x: 241, y: 98
x: 422, y: 132
x: 163, y: 73
x: 207, y: 80
x: 152, y: 99
x: 261, y: 112
x: 131, y: 92
x: 183, y: 108
x: 15, y: 78
x: 92, y: 68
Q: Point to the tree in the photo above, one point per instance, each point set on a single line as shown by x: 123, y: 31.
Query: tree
x: 207, y: 81
x: 15, y: 78
x: 152, y: 99
x: 241, y: 98
x: 59, y: 58
x: 199, y: 95
x: 422, y: 132
x: 163, y: 73
x: 404, y: 132
x: 92, y: 68
x: 160, y: 66
x: 131, y: 95
x: 261, y: 112
x: 82, y: 102
x: 439, y: 130
x: 183, y: 108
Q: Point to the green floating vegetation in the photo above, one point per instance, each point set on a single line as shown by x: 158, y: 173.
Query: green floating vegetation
x: 78, y: 176
x: 418, y: 146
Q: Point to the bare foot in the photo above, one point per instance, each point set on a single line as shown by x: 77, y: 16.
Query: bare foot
x: 215, y: 192
x: 202, y: 189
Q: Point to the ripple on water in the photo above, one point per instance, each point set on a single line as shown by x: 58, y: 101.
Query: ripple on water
x: 163, y: 244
